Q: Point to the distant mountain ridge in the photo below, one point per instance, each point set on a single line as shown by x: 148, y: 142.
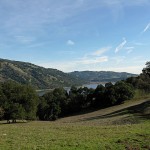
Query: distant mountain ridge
x: 101, y: 76
x: 43, y: 78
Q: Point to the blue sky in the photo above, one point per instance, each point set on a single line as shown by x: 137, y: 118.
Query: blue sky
x: 110, y: 35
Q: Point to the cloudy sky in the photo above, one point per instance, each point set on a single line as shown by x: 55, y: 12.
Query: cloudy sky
x: 79, y: 35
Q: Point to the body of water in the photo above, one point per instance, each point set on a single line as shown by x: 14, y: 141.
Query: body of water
x: 91, y: 85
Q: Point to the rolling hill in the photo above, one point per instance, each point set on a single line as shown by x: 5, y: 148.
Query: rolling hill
x: 130, y: 112
x: 39, y: 77
x: 48, y: 78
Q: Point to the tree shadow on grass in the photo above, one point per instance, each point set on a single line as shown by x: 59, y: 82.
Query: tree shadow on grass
x: 18, y: 122
x: 137, y: 111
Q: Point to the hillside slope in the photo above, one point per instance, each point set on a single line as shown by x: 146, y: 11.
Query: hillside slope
x: 39, y: 77
x: 43, y: 78
x: 128, y: 113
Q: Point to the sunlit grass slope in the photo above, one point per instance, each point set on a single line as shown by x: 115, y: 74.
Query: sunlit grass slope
x: 58, y: 136
x: 122, y: 127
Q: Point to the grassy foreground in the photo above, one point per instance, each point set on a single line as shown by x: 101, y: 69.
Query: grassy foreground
x: 122, y: 127
x: 66, y: 136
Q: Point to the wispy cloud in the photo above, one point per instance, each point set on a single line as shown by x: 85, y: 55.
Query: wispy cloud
x: 63, y: 65
x: 131, y: 69
x: 138, y: 43
x: 83, y: 63
x: 24, y: 39
x: 146, y: 28
x: 72, y: 65
x: 94, y: 60
x: 121, y: 45
x: 129, y: 49
x: 32, y: 14
x: 70, y: 42
x: 34, y: 17
x: 36, y: 45
x: 101, y: 51
x: 95, y: 57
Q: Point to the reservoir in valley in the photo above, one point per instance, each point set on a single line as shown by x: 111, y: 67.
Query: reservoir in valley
x: 91, y: 85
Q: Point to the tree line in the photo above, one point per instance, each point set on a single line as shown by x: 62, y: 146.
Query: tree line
x: 22, y: 102
x: 142, y: 81
x: 60, y: 103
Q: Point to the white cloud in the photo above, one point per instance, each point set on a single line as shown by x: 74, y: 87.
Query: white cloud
x: 70, y: 42
x: 99, y: 63
x: 72, y: 65
x: 76, y: 66
x: 63, y: 65
x: 33, y: 14
x: 130, y: 69
x: 87, y: 62
x: 146, y: 28
x: 121, y: 45
x: 94, y: 57
x: 101, y: 51
x: 129, y: 49
x: 94, y: 60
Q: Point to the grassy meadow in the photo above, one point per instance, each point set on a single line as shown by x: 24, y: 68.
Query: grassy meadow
x: 60, y: 136
x: 119, y: 127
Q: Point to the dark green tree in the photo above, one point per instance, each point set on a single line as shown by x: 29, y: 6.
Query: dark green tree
x: 109, y: 95
x: 78, y: 99
x: 146, y: 70
x: 53, y: 104
x: 141, y: 82
x: 74, y: 100
x: 42, y: 111
x: 1, y: 113
x: 98, y: 99
x: 19, y: 101
x: 29, y: 99
x: 123, y: 91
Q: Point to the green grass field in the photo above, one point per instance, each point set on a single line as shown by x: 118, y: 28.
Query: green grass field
x: 55, y: 136
x: 122, y: 127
